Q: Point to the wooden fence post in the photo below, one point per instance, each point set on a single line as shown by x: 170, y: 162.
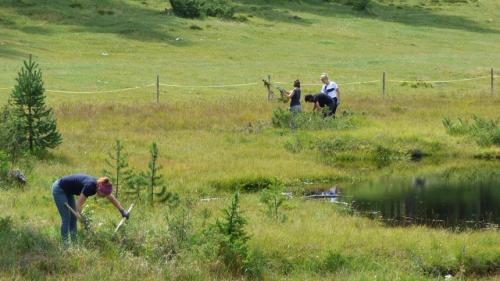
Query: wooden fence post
x: 492, y: 81
x: 158, y: 88
x: 383, y: 84
x: 267, y: 84
x: 269, y: 92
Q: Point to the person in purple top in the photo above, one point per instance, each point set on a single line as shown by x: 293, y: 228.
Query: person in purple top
x: 64, y: 190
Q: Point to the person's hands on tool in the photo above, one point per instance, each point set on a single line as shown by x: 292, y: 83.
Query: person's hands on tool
x: 125, y: 214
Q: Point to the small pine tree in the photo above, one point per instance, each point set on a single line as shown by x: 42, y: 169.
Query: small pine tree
x: 117, y: 161
x: 156, y: 181
x: 233, y: 248
x: 274, y: 199
x: 28, y: 99
x: 134, y: 183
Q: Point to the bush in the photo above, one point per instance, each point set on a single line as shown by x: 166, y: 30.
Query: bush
x: 359, y: 5
x: 177, y: 236
x: 382, y: 153
x: 274, y: 199
x: 245, y: 184
x: 187, y: 8
x: 333, y: 262
x: 178, y: 239
x: 283, y: 118
x: 200, y: 8
x: 219, y: 8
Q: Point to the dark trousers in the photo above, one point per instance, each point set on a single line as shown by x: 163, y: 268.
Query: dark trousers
x: 332, y: 108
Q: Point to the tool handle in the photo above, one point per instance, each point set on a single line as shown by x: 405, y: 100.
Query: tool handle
x: 76, y: 214
x: 123, y: 219
x: 130, y: 208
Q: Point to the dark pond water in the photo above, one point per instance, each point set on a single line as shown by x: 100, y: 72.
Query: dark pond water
x: 461, y: 199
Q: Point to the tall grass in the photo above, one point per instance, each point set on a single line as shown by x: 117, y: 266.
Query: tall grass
x: 282, y: 118
x: 485, y: 132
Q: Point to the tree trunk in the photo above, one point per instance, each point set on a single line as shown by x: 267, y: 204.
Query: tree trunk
x: 117, y: 171
x: 30, y: 128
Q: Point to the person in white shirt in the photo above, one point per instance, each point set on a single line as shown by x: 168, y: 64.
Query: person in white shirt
x: 330, y: 88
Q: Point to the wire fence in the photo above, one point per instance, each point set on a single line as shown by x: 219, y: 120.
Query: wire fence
x: 401, y: 81
x: 146, y: 86
x: 383, y: 81
x: 210, y: 86
x: 442, y: 81
x: 99, y: 92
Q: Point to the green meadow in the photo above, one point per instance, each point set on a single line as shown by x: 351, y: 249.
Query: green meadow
x: 100, y: 60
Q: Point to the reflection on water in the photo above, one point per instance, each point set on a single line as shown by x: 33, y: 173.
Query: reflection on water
x: 450, y: 200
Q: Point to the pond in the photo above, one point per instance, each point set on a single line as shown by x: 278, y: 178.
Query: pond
x: 456, y: 199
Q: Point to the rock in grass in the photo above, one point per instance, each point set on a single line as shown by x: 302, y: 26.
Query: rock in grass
x: 17, y: 176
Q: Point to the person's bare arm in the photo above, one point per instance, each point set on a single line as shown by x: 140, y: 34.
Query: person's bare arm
x: 81, y: 201
x: 115, y: 202
x: 285, y: 93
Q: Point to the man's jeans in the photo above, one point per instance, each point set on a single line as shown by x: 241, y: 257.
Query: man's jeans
x: 332, y: 109
x: 68, y: 220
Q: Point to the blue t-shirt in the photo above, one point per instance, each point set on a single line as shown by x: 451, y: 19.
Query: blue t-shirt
x: 295, y: 100
x: 77, y: 184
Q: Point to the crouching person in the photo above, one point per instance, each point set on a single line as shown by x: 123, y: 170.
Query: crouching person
x: 64, y: 190
x: 322, y: 101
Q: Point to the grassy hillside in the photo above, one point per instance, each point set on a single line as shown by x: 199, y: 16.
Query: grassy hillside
x: 287, y: 39
x: 214, y: 136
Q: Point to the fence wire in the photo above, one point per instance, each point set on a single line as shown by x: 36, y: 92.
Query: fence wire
x: 254, y: 84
